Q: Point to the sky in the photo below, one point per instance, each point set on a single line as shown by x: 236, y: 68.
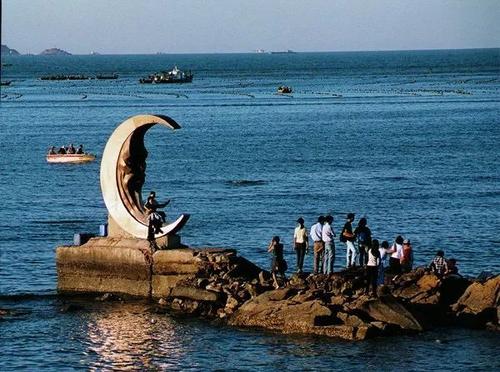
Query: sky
x: 226, y: 26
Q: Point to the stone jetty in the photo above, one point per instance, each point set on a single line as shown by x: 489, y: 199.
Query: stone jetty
x: 218, y: 284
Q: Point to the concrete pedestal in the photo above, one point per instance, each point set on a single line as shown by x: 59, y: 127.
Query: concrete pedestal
x: 125, y: 266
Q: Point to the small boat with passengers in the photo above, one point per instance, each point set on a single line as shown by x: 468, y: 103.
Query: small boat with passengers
x: 69, y: 155
x: 284, y: 89
x: 70, y: 158
x: 175, y: 76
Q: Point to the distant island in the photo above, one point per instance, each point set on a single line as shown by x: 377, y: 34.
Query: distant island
x: 54, y: 52
x: 6, y: 51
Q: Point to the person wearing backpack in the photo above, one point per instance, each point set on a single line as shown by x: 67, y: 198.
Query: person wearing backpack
x: 364, y: 237
x: 347, y: 236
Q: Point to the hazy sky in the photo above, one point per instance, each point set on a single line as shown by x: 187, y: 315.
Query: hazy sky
x: 149, y: 26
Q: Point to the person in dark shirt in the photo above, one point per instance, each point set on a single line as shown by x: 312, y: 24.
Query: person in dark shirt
x: 71, y: 149
x: 452, y: 268
x: 156, y: 218
x: 278, y: 263
x: 52, y: 150
x: 80, y: 150
x: 348, y: 238
x: 364, y: 236
x: 61, y: 150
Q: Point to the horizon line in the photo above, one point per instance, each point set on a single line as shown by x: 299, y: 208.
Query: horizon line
x: 250, y: 52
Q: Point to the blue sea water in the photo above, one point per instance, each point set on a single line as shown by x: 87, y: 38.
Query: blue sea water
x: 407, y: 139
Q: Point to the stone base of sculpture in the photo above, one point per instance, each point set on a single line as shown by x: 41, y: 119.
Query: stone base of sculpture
x: 125, y: 266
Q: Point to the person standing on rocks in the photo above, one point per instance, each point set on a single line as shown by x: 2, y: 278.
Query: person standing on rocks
x: 319, y: 247
x: 372, y: 267
x: 407, y: 258
x: 278, y: 264
x: 396, y: 252
x: 364, y: 237
x: 301, y: 243
x: 384, y: 248
x: 327, y: 235
x: 348, y: 238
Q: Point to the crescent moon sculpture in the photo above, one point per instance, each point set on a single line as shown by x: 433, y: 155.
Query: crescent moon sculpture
x: 123, y: 172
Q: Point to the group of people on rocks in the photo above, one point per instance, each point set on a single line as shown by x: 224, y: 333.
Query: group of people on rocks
x: 63, y: 150
x: 361, y: 250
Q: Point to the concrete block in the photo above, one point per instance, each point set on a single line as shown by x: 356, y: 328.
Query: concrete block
x: 163, y: 284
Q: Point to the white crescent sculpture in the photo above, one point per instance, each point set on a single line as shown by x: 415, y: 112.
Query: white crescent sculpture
x: 123, y: 171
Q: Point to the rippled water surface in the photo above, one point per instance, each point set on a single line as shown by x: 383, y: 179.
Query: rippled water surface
x: 408, y: 139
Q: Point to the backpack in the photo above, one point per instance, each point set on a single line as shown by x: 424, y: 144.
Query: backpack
x: 342, y: 238
x: 362, y: 237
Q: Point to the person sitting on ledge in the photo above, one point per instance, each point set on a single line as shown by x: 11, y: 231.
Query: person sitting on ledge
x: 452, y: 268
x: 438, y: 266
x: 278, y: 264
x: 156, y: 218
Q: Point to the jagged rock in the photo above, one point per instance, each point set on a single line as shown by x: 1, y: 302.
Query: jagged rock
x: 162, y: 302
x: 231, y: 304
x: 278, y: 315
x: 350, y: 320
x: 479, y: 303
x: 338, y: 300
x: 194, y: 294
x: 280, y: 294
x: 213, y: 287
x: 388, y: 310
x: 298, y: 280
x: 428, y: 282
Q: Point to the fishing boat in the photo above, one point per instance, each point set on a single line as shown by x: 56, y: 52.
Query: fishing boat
x: 284, y: 89
x: 70, y: 158
x: 175, y: 76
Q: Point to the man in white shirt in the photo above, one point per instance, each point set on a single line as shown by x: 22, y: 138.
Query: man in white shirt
x: 301, y: 243
x: 316, y: 236
x: 327, y: 235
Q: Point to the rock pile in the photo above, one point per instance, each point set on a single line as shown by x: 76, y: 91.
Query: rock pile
x: 233, y: 290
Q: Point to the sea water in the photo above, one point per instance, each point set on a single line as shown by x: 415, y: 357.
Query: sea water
x: 408, y: 140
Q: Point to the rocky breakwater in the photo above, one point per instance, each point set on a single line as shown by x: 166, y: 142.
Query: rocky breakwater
x: 333, y: 306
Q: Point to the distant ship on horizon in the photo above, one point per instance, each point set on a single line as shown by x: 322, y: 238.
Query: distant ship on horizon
x: 283, y: 52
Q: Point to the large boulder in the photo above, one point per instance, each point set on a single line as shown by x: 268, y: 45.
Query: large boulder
x: 386, y: 309
x: 283, y: 310
x: 479, y: 304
